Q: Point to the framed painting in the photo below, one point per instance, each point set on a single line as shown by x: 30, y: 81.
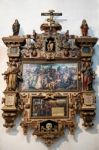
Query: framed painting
x: 52, y: 108
x: 50, y: 76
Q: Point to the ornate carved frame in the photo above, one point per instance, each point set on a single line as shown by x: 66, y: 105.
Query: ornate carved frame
x: 67, y: 49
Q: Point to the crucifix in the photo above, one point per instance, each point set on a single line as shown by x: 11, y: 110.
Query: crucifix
x: 51, y: 13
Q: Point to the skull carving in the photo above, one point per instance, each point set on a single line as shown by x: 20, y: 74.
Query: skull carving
x: 49, y: 126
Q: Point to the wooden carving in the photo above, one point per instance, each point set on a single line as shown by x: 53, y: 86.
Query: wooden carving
x: 49, y: 79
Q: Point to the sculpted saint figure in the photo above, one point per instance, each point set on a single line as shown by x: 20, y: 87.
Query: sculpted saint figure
x: 84, y: 28
x: 11, y: 76
x: 87, y: 76
x: 50, y: 46
x: 16, y: 27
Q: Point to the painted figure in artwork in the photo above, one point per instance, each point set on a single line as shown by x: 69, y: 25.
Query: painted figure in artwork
x: 16, y: 27
x: 84, y: 28
x: 87, y: 76
x: 39, y: 82
x: 49, y: 76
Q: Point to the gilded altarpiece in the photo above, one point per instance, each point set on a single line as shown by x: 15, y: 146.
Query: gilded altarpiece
x: 49, y: 79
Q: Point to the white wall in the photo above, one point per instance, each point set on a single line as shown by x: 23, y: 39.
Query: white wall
x: 28, y: 14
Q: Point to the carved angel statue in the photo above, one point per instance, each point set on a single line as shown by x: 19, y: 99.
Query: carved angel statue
x: 11, y: 76
x: 84, y: 28
x: 16, y: 27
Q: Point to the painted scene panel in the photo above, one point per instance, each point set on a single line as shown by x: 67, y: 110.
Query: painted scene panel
x: 50, y: 76
x: 54, y: 108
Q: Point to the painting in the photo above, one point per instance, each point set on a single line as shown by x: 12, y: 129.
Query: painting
x: 51, y: 108
x: 58, y: 76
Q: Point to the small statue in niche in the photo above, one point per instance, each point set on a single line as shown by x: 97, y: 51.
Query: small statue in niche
x: 50, y: 46
x: 11, y: 76
x: 87, y: 76
x: 84, y: 28
x: 16, y: 27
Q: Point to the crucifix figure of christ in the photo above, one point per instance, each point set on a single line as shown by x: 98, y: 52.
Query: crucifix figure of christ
x: 51, y: 13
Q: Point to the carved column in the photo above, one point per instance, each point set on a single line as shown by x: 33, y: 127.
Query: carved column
x: 86, y: 44
x: 12, y: 76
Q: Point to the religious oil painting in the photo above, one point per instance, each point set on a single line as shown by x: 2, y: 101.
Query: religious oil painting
x: 52, y: 108
x: 58, y: 76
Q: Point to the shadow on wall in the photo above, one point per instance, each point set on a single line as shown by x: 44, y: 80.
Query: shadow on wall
x: 14, y: 131
x: 91, y: 32
x: 21, y: 31
x: 95, y: 66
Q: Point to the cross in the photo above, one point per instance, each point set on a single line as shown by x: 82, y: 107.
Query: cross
x: 51, y: 13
